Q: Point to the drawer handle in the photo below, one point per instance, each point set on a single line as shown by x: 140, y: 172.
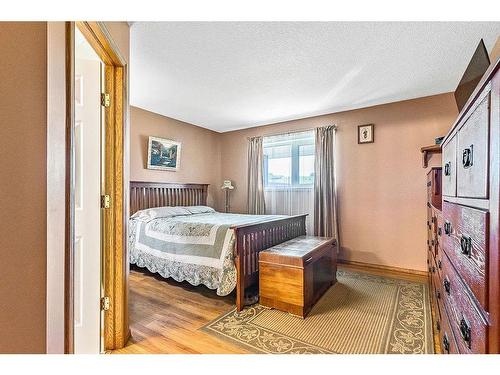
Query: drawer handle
x: 439, y: 231
x: 447, y: 228
x: 446, y: 343
x: 438, y: 294
x: 447, y: 169
x: 433, y: 269
x: 467, y: 154
x: 308, y: 259
x: 447, y: 285
x: 465, y: 331
x: 439, y: 264
x: 466, y: 245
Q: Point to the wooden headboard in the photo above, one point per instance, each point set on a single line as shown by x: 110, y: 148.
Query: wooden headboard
x: 159, y: 194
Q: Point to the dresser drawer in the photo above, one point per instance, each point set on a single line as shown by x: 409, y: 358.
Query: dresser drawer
x: 450, y: 167
x: 467, y: 324
x: 465, y: 240
x: 472, y: 153
x: 446, y: 336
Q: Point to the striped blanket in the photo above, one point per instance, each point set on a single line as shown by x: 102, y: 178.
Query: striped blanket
x: 193, y: 244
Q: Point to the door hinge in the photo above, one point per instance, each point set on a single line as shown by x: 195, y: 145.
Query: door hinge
x: 105, y: 100
x: 105, y: 302
x: 105, y: 201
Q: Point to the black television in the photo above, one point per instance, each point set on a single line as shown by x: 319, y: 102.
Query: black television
x: 477, y: 67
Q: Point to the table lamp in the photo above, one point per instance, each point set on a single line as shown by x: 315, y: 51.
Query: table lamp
x: 227, y: 186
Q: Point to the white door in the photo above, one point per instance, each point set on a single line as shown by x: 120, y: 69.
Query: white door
x: 87, y: 255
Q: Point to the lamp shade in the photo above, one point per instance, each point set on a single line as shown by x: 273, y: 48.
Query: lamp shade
x: 227, y: 184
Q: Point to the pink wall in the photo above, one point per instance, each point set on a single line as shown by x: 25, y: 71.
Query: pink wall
x: 381, y: 186
x: 23, y: 178
x: 200, y: 152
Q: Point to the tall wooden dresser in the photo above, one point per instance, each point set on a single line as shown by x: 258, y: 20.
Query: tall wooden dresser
x: 464, y: 260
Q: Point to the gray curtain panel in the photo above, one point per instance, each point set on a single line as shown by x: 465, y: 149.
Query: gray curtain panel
x: 325, y: 195
x: 256, y: 203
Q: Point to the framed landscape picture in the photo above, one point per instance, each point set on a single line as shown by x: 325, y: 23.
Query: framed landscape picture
x: 163, y: 154
x: 366, y: 133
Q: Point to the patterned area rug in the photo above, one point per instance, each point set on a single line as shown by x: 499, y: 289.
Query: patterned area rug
x: 360, y: 314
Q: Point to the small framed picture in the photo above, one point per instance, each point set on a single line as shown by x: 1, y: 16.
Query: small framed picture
x: 163, y: 154
x: 366, y: 133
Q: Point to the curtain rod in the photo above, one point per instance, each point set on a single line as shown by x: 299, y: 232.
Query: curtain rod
x: 290, y: 132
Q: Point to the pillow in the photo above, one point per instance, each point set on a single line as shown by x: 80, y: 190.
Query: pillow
x: 157, y: 212
x: 199, y: 209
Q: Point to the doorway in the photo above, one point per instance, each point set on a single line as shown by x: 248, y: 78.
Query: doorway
x: 96, y: 314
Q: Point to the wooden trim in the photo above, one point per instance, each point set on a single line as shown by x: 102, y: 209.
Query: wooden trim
x: 383, y: 268
x: 115, y: 264
x: 116, y: 330
x: 99, y: 38
x: 70, y: 188
x: 109, y: 261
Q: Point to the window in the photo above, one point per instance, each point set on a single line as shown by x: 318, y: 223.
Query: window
x: 289, y: 160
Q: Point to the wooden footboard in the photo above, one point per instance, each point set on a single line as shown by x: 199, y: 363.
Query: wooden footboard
x: 253, y: 238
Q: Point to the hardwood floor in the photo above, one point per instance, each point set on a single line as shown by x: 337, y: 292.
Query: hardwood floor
x: 165, y: 316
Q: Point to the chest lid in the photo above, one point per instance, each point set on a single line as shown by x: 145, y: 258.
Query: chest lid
x: 297, y: 251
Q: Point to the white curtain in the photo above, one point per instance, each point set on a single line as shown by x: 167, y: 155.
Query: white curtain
x: 289, y: 175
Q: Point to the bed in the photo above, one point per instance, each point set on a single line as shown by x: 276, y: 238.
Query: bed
x: 172, y: 232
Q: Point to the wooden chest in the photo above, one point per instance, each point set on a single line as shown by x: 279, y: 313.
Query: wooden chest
x: 295, y: 274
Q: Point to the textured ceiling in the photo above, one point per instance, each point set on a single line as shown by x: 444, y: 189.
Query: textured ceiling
x: 231, y: 75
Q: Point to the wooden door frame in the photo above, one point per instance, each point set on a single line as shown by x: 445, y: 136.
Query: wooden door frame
x: 114, y: 228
